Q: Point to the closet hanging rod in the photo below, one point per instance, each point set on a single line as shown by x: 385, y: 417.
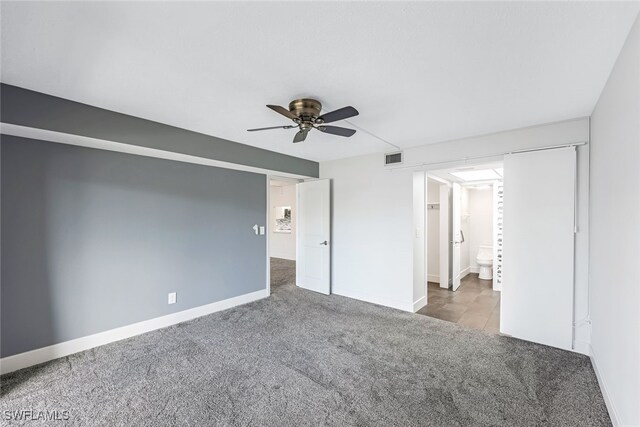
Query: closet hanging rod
x: 487, y: 156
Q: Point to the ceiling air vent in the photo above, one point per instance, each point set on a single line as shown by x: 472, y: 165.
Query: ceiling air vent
x: 393, y: 158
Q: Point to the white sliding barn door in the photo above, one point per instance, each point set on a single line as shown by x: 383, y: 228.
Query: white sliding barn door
x: 313, y: 256
x: 538, y: 249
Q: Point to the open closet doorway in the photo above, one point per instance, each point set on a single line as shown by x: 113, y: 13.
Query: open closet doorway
x: 464, y: 237
x: 282, y: 228
x: 507, y: 262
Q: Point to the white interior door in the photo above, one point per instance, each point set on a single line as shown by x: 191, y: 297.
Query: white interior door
x: 313, y: 254
x: 444, y: 236
x: 456, y: 215
x: 538, y: 247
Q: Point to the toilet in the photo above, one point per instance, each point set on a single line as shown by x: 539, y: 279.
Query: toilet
x: 484, y: 259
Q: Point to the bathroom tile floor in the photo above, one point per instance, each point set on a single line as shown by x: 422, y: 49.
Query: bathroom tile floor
x: 474, y: 305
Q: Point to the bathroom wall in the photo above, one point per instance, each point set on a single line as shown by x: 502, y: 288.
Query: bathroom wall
x: 464, y: 223
x: 433, y: 232
x: 282, y: 245
x: 480, y: 222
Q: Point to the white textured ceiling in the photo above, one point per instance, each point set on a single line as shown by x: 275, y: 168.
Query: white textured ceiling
x: 417, y: 72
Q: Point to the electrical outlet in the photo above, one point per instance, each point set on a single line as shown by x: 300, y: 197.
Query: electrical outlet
x: 262, y: 230
x: 172, y: 298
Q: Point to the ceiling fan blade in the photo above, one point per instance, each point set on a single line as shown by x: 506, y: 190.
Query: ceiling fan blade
x: 336, y: 130
x: 272, y: 127
x: 300, y: 136
x: 283, y: 111
x: 340, y: 114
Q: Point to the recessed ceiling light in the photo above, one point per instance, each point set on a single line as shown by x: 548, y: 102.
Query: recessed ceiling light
x: 477, y: 175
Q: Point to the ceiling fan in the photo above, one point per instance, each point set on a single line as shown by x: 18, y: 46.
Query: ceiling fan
x: 305, y: 113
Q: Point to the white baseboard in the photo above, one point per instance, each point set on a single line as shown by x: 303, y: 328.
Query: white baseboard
x: 582, y: 348
x: 433, y: 278
x: 474, y: 270
x: 280, y: 256
x: 465, y: 272
x: 613, y: 413
x: 40, y: 355
x: 421, y: 302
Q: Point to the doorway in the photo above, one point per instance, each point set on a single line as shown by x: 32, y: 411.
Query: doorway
x: 463, y: 243
x: 299, y: 234
x: 282, y: 230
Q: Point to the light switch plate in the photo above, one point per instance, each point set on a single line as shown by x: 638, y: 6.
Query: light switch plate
x: 172, y: 298
x: 262, y: 229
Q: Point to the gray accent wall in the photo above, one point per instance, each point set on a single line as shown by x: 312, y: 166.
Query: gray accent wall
x: 33, y: 109
x: 93, y: 240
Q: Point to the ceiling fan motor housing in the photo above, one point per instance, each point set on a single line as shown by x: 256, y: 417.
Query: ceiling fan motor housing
x: 308, y: 110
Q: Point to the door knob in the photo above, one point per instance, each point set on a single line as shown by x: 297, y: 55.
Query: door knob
x: 324, y: 243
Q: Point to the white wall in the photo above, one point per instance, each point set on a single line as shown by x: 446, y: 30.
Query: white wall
x: 372, y: 231
x: 433, y: 232
x: 480, y: 222
x: 282, y: 245
x: 373, y: 210
x: 615, y: 235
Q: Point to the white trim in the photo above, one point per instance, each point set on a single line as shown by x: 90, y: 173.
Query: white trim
x: 102, y: 144
x: 443, y: 238
x: 582, y: 348
x: 474, y: 270
x: 613, y: 413
x: 421, y: 302
x: 267, y: 229
x: 465, y: 272
x: 34, y: 357
x: 435, y: 278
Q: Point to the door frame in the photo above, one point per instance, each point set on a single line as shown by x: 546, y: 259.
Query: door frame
x: 446, y: 222
x: 269, y: 218
x: 444, y: 237
x: 458, y: 237
x: 444, y: 198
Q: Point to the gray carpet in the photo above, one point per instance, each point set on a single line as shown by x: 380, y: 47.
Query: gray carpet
x: 301, y: 358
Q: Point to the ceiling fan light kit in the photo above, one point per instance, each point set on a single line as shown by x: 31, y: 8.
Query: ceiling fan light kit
x: 305, y: 113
